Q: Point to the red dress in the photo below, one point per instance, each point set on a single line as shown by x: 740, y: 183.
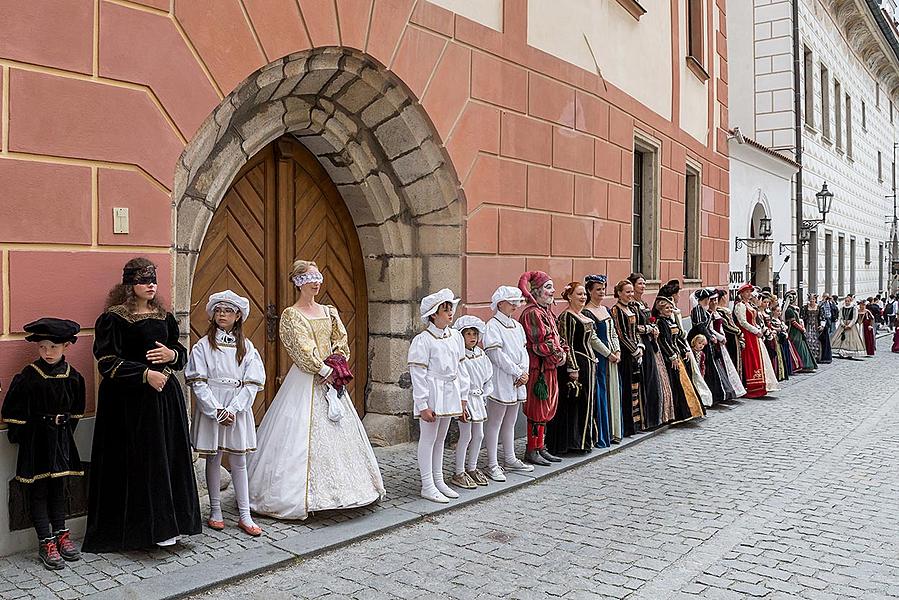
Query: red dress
x: 868, y: 332
x: 753, y: 369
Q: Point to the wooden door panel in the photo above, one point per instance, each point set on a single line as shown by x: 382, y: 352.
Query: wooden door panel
x: 282, y: 207
x: 232, y: 257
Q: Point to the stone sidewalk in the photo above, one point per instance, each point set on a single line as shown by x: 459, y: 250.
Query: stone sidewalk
x: 216, y: 557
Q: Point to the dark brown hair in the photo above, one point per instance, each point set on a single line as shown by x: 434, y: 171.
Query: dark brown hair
x: 236, y: 331
x: 633, y: 277
x: 124, y: 293
x: 443, y: 306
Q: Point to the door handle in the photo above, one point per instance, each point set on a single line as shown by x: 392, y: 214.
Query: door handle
x: 271, y: 322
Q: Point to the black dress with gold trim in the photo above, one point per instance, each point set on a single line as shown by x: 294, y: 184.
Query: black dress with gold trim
x: 142, y: 486
x: 41, y: 409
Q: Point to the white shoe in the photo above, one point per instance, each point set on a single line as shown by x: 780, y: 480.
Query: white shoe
x: 444, y: 489
x: 517, y: 465
x: 434, y: 495
x: 169, y: 542
x: 495, y: 473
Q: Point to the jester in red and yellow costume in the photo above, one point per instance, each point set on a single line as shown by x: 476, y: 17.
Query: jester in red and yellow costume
x: 546, y: 352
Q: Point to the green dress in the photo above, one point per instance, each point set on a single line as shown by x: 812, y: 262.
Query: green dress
x: 797, y: 336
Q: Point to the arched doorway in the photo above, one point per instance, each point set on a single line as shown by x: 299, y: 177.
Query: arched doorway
x: 282, y: 207
x: 376, y: 142
x: 760, y: 266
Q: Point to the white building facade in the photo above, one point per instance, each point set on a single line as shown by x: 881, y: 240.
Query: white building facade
x: 848, y: 95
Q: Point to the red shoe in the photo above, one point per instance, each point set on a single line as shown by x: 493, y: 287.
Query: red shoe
x: 66, y: 547
x: 254, y: 530
x: 217, y: 525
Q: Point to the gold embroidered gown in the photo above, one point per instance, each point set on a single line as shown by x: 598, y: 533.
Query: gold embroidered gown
x: 304, y: 461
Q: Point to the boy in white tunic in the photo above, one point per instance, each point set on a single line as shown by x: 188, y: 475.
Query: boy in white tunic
x: 471, y: 424
x: 504, y: 343
x: 439, y: 388
x: 225, y: 372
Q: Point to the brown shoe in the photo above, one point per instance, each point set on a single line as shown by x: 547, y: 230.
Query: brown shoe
x: 478, y: 477
x: 463, y: 481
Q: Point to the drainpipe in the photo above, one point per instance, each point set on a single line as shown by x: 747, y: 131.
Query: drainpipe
x: 797, y: 111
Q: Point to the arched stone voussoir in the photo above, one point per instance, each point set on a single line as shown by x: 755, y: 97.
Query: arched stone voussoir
x: 376, y: 142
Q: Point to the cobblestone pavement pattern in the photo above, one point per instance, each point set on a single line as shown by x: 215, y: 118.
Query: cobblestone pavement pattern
x: 784, y: 498
x: 788, y: 498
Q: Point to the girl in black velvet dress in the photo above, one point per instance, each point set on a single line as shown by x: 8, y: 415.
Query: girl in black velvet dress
x: 142, y: 487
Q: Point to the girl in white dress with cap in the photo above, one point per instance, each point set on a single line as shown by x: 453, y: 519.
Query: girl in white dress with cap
x: 504, y: 343
x: 471, y: 425
x: 439, y: 388
x: 225, y: 372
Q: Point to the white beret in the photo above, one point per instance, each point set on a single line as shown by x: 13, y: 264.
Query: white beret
x: 228, y: 297
x: 432, y: 302
x: 508, y: 293
x: 470, y: 322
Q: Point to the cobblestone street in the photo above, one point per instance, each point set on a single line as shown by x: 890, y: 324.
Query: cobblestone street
x: 792, y: 497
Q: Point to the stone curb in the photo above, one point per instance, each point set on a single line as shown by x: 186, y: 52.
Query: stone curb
x: 219, y: 572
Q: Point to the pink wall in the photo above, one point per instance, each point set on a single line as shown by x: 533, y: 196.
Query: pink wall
x: 96, y: 110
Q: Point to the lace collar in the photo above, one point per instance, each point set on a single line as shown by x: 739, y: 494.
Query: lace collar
x: 223, y: 338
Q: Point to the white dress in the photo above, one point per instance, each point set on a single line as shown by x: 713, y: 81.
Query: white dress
x: 435, y: 364
x: 218, y: 382
x: 505, y: 345
x: 480, y: 383
x: 847, y: 341
x: 306, y: 462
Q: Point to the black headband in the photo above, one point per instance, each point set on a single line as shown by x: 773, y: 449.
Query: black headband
x: 139, y: 275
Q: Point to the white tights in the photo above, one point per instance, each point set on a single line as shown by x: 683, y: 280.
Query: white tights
x: 500, y: 429
x: 430, y: 451
x: 470, y: 437
x: 238, y: 479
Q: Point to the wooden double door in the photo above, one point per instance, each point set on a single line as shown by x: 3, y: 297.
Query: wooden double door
x: 283, y: 207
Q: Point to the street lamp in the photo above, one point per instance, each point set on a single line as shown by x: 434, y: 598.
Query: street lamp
x: 764, y: 232
x: 824, y: 198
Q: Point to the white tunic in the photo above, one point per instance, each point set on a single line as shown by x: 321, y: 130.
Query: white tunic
x: 218, y: 382
x: 438, y: 381
x: 480, y: 380
x: 504, y: 342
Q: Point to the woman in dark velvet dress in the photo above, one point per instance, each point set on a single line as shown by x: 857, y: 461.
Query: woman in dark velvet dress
x: 624, y: 316
x: 573, y: 428
x: 656, y: 389
x: 866, y: 318
x: 714, y: 375
x: 676, y: 350
x: 142, y: 486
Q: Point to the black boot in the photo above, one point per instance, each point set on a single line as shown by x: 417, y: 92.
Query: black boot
x: 547, y: 456
x: 66, y: 547
x: 49, y: 555
x: 534, y: 457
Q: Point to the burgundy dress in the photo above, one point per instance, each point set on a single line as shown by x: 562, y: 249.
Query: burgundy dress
x: 868, y: 333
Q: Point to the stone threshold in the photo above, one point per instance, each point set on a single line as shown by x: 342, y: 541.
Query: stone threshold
x: 294, y: 549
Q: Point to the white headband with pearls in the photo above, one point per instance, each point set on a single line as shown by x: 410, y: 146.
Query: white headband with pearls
x: 307, y: 277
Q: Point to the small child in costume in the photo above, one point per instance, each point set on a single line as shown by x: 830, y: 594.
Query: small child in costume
x: 471, y: 426
x: 42, y: 409
x: 698, y: 343
x: 504, y: 343
x: 439, y: 388
x: 225, y: 372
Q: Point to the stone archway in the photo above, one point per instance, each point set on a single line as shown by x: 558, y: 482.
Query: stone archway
x: 378, y: 146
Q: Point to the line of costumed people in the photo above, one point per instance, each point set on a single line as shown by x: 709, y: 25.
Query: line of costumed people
x: 587, y: 375
x: 309, y: 454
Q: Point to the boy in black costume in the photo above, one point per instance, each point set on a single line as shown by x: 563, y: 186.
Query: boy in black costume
x: 42, y: 409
